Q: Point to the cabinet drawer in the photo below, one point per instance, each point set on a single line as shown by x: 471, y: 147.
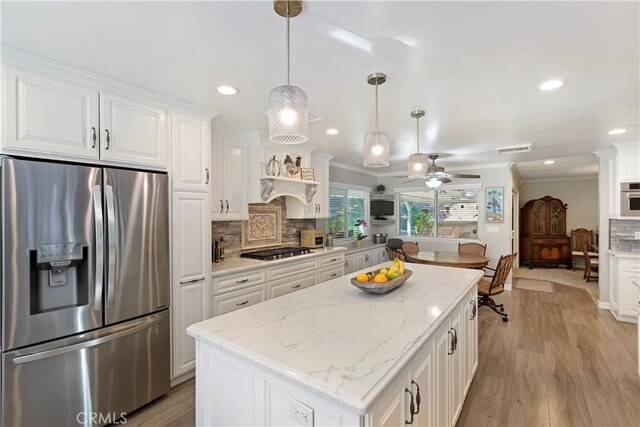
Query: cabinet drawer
x: 331, y: 273
x: 238, y: 281
x: 288, y: 269
x: 629, y: 265
x: 292, y: 284
x: 233, y: 301
x: 332, y: 260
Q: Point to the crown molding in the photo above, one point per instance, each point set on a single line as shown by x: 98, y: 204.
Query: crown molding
x: 352, y: 168
x: 561, y: 178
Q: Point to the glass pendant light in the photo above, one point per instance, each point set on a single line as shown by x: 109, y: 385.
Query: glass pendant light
x: 418, y: 162
x: 376, y: 144
x: 288, y: 112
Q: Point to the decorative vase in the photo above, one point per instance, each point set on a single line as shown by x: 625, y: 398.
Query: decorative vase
x: 273, y: 167
x: 358, y: 243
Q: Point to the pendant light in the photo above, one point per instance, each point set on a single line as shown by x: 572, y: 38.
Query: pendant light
x: 418, y: 162
x: 288, y: 113
x: 376, y: 144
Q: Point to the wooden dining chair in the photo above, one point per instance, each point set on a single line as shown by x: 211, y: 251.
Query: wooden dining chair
x: 577, y: 236
x: 472, y: 249
x: 410, y: 248
x: 396, y: 254
x: 591, y: 264
x: 488, y: 289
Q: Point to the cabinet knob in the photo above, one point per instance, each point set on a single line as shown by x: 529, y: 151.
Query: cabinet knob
x: 108, y: 139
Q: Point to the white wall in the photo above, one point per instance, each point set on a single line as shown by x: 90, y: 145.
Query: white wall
x: 581, y: 196
x: 346, y: 176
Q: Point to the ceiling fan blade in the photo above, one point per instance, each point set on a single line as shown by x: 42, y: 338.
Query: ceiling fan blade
x: 413, y: 180
x: 444, y: 180
x: 462, y: 175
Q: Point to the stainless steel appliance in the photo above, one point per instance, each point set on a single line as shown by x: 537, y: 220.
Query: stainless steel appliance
x: 630, y: 199
x: 312, y: 238
x: 85, y: 292
x: 276, y: 253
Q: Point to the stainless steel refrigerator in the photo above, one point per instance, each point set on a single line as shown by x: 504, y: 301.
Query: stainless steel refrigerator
x: 85, y: 292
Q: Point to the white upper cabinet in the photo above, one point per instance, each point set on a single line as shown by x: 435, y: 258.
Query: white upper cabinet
x: 229, y: 178
x: 191, y: 145
x: 133, y: 131
x: 49, y: 116
x: 628, y: 163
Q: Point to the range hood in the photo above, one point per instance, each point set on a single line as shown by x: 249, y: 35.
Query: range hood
x: 275, y: 186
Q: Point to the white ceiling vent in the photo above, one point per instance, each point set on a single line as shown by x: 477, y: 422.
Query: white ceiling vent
x: 523, y: 148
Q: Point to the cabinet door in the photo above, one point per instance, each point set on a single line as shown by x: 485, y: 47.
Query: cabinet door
x: 191, y: 237
x: 421, y: 383
x: 49, y: 116
x: 557, y: 220
x: 234, y: 157
x: 321, y: 169
x: 369, y: 258
x: 189, y: 307
x: 217, y: 177
x: 349, y: 264
x: 628, y: 293
x: 191, y: 145
x: 442, y: 367
x: 470, y: 339
x: 133, y: 131
x: 456, y: 388
x: 389, y: 409
x: 538, y: 218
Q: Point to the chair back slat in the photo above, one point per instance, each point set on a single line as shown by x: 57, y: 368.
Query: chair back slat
x: 395, y: 254
x: 502, y: 271
x: 578, y: 236
x: 472, y: 249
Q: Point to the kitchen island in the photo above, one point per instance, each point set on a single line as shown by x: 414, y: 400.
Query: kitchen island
x: 334, y: 355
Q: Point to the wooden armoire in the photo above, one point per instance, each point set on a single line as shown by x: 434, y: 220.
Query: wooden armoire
x: 543, y: 233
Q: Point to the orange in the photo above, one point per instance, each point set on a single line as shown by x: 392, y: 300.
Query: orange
x: 380, y: 278
x: 362, y: 277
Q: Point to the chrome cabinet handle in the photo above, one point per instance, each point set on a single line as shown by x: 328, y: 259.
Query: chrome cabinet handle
x: 99, y: 229
x: 207, y: 169
x: 108, y: 139
x: 94, y: 137
x: 221, y: 206
x: 198, y: 279
x: 227, y: 202
x: 242, y: 281
x: 417, y: 396
x: 295, y: 286
x: 243, y: 303
x: 412, y: 407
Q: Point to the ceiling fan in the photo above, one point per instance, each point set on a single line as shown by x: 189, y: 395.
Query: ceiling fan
x: 436, y: 174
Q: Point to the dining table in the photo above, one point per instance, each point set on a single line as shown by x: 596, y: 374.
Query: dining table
x: 449, y: 259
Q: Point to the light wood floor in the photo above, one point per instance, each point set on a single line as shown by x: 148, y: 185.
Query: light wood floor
x: 559, y: 361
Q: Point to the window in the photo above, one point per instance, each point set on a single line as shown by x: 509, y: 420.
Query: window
x: 439, y: 213
x: 346, y: 207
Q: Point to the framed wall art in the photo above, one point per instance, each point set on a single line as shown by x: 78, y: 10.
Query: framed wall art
x: 263, y: 227
x: 307, y: 174
x: 494, y: 199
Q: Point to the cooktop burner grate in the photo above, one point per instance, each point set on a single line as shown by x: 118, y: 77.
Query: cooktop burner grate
x: 276, y: 253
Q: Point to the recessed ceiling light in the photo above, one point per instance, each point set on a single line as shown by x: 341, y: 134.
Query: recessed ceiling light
x: 549, y: 162
x: 332, y: 131
x: 227, y: 90
x: 618, y: 131
x: 551, y: 84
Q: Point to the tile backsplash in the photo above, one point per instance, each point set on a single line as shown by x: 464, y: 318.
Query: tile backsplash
x: 622, y: 235
x: 232, y: 230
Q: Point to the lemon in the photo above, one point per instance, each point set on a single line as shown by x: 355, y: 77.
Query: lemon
x: 380, y: 278
x: 362, y: 277
x: 384, y: 271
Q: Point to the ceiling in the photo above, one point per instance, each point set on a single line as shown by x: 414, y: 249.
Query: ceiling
x: 474, y: 66
x: 584, y: 166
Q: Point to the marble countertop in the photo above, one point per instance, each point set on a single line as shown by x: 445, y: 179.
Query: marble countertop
x: 367, y: 244
x: 237, y: 264
x: 343, y: 343
x: 623, y: 254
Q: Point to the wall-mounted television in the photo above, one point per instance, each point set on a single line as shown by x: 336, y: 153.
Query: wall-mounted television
x: 381, y: 208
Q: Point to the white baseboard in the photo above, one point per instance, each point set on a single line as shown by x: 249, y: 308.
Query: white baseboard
x: 182, y: 378
x: 604, y: 305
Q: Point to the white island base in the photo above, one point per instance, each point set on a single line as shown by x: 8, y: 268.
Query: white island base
x: 332, y: 355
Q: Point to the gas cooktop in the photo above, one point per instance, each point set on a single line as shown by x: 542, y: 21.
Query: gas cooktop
x: 277, y: 253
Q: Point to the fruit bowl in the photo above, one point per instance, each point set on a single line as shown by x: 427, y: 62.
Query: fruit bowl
x: 381, y: 288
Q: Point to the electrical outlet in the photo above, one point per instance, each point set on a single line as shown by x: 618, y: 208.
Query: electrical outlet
x: 301, y: 413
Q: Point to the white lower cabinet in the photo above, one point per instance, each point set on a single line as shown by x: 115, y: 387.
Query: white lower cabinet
x: 350, y: 264
x: 622, y: 272
x: 286, y: 286
x: 427, y: 390
x: 233, y: 301
x: 329, y: 273
x: 191, y: 308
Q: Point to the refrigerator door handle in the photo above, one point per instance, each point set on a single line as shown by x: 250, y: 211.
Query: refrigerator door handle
x: 112, y: 236
x: 87, y: 344
x: 99, y: 252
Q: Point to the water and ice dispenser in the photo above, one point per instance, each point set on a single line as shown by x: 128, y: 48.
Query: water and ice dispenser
x: 59, y: 276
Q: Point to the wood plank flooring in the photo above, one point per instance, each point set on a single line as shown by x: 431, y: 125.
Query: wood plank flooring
x: 559, y: 361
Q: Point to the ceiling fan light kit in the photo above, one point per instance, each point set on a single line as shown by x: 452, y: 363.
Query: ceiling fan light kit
x: 288, y: 105
x: 376, y: 143
x: 418, y: 162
